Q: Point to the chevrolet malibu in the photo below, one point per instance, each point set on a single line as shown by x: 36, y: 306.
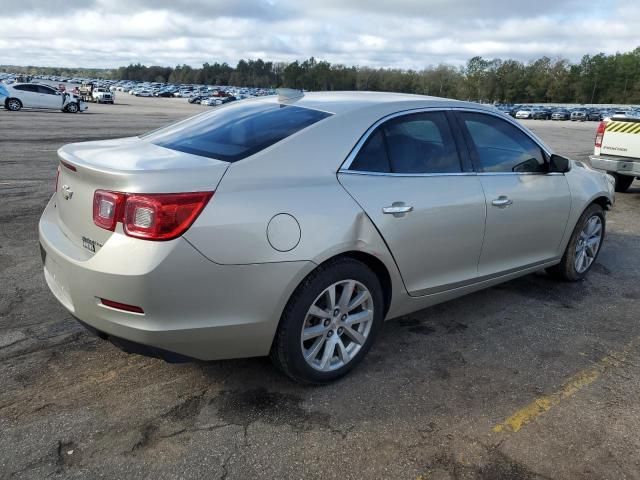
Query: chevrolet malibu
x: 293, y: 226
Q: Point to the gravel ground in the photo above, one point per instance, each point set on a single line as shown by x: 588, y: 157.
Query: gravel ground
x: 532, y: 379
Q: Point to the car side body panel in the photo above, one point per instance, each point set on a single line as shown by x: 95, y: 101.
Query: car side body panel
x: 586, y: 185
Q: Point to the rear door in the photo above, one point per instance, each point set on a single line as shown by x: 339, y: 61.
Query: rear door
x: 28, y: 95
x: 527, y: 207
x: 422, y: 195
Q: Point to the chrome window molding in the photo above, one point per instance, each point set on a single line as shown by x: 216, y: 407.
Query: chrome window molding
x: 451, y: 174
x: 344, y: 168
x: 391, y: 174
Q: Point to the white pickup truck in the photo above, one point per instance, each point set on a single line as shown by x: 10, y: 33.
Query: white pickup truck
x: 617, y: 150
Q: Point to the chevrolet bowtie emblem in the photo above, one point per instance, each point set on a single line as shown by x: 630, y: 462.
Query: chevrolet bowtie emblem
x: 67, y: 193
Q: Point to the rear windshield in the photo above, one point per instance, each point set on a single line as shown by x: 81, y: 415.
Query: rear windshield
x: 237, y: 131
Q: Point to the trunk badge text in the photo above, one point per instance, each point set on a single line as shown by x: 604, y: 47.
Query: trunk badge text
x: 67, y: 193
x: 90, y: 244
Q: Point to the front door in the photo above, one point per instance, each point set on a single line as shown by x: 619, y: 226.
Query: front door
x: 409, y: 180
x: 49, y: 98
x: 527, y: 207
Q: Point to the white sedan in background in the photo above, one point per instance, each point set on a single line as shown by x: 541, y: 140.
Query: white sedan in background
x: 524, y: 113
x: 32, y: 95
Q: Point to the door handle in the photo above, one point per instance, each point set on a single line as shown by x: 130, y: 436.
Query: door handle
x: 397, y: 209
x: 502, y: 201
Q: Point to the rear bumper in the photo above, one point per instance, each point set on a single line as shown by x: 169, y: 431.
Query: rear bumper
x: 192, y: 306
x: 137, y: 348
x: 620, y: 165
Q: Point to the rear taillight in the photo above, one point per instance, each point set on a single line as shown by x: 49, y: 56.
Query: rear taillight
x: 148, y: 216
x: 600, y: 134
x: 107, y: 208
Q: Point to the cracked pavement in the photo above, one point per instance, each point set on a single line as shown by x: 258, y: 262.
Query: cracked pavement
x: 422, y: 405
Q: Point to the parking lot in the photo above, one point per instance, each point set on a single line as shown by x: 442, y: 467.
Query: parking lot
x: 532, y: 379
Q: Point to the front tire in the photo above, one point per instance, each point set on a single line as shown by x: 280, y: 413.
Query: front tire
x: 72, y: 108
x: 13, y: 104
x: 623, y: 182
x: 584, y: 246
x: 329, y: 323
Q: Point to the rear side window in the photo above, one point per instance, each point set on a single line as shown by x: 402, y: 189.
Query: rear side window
x: 373, y: 157
x: 237, y: 131
x: 27, y: 88
x: 422, y: 143
x: 416, y: 143
x: 501, y: 147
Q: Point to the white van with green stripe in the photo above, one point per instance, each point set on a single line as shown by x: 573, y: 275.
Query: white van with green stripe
x: 617, y: 150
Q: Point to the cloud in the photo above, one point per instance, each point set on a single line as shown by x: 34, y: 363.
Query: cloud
x: 400, y: 34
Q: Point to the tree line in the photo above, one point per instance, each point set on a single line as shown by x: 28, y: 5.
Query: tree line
x: 597, y: 78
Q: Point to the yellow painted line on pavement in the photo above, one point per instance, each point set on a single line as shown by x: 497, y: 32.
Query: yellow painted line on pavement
x: 576, y: 383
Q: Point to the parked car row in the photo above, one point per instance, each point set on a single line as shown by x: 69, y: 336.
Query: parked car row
x: 575, y: 114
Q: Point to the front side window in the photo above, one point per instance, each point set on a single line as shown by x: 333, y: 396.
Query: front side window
x: 417, y: 143
x: 237, y: 131
x: 501, y: 147
x: 45, y: 90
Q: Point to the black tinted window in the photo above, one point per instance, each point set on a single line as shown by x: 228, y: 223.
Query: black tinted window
x: 27, y: 88
x: 415, y: 143
x: 501, y: 147
x: 237, y: 131
x: 421, y: 143
x: 47, y: 90
x: 372, y: 157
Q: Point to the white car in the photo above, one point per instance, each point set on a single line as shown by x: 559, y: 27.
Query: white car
x: 32, y: 95
x: 524, y: 113
x: 211, y: 102
x: 144, y: 93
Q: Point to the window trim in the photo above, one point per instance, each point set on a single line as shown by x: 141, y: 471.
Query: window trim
x: 465, y: 156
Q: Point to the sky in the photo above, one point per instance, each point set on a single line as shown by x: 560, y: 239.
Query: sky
x: 377, y: 33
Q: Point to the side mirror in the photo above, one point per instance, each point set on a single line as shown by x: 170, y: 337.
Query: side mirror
x: 559, y: 164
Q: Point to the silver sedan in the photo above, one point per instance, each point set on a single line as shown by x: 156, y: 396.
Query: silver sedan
x: 293, y: 226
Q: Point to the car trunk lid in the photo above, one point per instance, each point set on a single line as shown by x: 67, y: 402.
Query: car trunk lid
x: 130, y: 165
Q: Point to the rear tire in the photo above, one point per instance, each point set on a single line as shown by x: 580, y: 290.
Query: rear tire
x: 319, y: 339
x: 623, y: 182
x: 13, y: 104
x: 585, y: 243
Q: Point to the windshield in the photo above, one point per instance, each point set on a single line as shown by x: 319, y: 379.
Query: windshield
x: 237, y: 131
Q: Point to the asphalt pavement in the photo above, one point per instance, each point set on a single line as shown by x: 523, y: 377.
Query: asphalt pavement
x: 532, y: 379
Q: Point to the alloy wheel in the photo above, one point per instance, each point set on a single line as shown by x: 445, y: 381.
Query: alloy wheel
x: 588, y: 243
x: 14, y: 105
x: 337, y: 325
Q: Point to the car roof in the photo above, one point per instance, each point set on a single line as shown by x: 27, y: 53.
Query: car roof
x: 345, y: 102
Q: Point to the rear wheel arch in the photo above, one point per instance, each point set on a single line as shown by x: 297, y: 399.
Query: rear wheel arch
x: 377, y: 266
